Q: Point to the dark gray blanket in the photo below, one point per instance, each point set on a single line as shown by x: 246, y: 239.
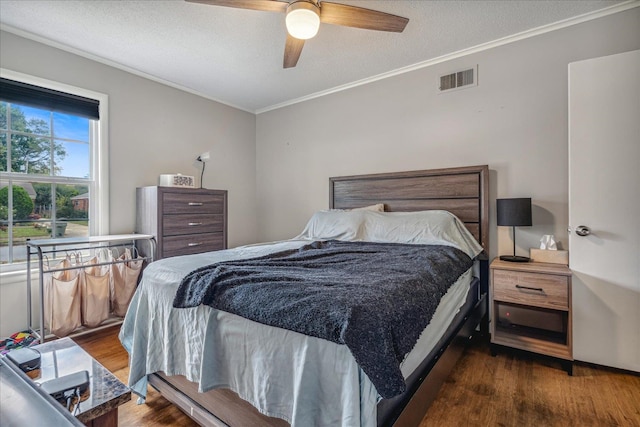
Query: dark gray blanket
x: 376, y: 298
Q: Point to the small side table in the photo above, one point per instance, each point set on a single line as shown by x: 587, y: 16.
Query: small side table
x: 62, y: 357
x: 531, y: 308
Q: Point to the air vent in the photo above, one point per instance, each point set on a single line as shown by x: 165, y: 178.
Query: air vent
x: 458, y: 80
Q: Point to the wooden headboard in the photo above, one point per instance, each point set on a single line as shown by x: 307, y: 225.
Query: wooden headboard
x: 463, y: 191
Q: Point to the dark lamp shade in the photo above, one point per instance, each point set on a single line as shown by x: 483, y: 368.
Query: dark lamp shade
x: 514, y: 212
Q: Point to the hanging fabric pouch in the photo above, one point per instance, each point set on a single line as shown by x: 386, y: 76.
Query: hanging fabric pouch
x: 125, y: 279
x: 95, y: 292
x: 62, y: 299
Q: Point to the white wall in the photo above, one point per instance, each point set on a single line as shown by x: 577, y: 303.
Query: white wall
x: 153, y: 129
x: 515, y: 121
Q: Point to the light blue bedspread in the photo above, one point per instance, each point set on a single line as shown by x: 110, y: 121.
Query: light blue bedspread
x: 304, y: 380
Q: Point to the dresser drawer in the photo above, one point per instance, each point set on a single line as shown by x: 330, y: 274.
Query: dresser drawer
x: 192, y: 244
x: 542, y: 290
x: 173, y: 225
x: 186, y: 203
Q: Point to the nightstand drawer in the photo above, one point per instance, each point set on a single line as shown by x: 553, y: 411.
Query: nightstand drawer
x: 173, y: 225
x: 542, y: 290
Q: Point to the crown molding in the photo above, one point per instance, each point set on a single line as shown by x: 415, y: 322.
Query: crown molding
x: 464, y: 52
x: 113, y: 64
x: 620, y: 7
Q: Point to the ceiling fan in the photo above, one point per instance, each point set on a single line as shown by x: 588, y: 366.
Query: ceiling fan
x: 303, y: 18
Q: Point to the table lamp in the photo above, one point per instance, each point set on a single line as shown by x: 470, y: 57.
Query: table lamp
x: 514, y: 213
x: 203, y: 158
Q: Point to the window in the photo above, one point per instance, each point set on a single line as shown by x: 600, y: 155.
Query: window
x: 53, y: 163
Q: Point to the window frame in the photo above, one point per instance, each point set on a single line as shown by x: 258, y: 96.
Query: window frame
x: 98, y: 153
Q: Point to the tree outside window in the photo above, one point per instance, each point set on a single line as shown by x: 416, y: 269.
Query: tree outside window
x: 45, y: 165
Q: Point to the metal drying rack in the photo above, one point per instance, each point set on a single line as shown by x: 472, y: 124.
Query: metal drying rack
x: 43, y: 248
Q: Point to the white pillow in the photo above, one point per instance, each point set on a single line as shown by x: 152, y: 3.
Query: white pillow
x: 434, y: 227
x: 334, y: 224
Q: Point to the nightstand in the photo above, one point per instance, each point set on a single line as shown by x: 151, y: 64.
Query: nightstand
x: 531, y: 308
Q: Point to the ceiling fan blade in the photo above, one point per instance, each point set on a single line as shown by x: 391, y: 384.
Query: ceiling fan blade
x: 265, y: 5
x: 358, y: 17
x: 292, y: 51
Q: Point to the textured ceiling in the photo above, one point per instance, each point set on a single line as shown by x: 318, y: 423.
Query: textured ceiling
x: 235, y: 56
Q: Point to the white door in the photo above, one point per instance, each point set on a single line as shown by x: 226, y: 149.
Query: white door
x: 604, y: 195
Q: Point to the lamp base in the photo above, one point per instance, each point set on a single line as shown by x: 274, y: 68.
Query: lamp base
x: 514, y: 258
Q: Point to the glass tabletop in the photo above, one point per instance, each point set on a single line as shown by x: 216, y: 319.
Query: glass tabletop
x: 63, y: 357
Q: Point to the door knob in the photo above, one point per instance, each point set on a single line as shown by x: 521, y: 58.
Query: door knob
x: 583, y: 230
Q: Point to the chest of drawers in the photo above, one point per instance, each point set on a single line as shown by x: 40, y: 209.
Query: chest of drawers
x: 183, y: 220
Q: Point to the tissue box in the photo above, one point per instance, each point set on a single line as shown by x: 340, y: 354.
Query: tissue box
x: 553, y: 257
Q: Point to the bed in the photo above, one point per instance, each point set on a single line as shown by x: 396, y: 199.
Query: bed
x: 220, y: 362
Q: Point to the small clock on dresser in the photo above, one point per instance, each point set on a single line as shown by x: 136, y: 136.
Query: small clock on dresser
x: 531, y: 308
x: 176, y: 180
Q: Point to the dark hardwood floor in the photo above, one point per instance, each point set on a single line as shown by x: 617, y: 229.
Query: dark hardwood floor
x: 511, y: 389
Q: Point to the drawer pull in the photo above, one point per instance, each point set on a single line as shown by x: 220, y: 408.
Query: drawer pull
x: 193, y: 224
x: 529, y: 288
x: 194, y: 244
x: 195, y: 203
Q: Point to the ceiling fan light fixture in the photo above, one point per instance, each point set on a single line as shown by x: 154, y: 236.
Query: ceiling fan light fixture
x: 303, y: 20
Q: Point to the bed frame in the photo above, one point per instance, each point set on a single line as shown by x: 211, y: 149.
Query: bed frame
x: 463, y: 191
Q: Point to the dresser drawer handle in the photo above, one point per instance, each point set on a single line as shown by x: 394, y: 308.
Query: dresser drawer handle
x: 194, y: 244
x: 195, y: 203
x: 529, y: 288
x: 193, y: 224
